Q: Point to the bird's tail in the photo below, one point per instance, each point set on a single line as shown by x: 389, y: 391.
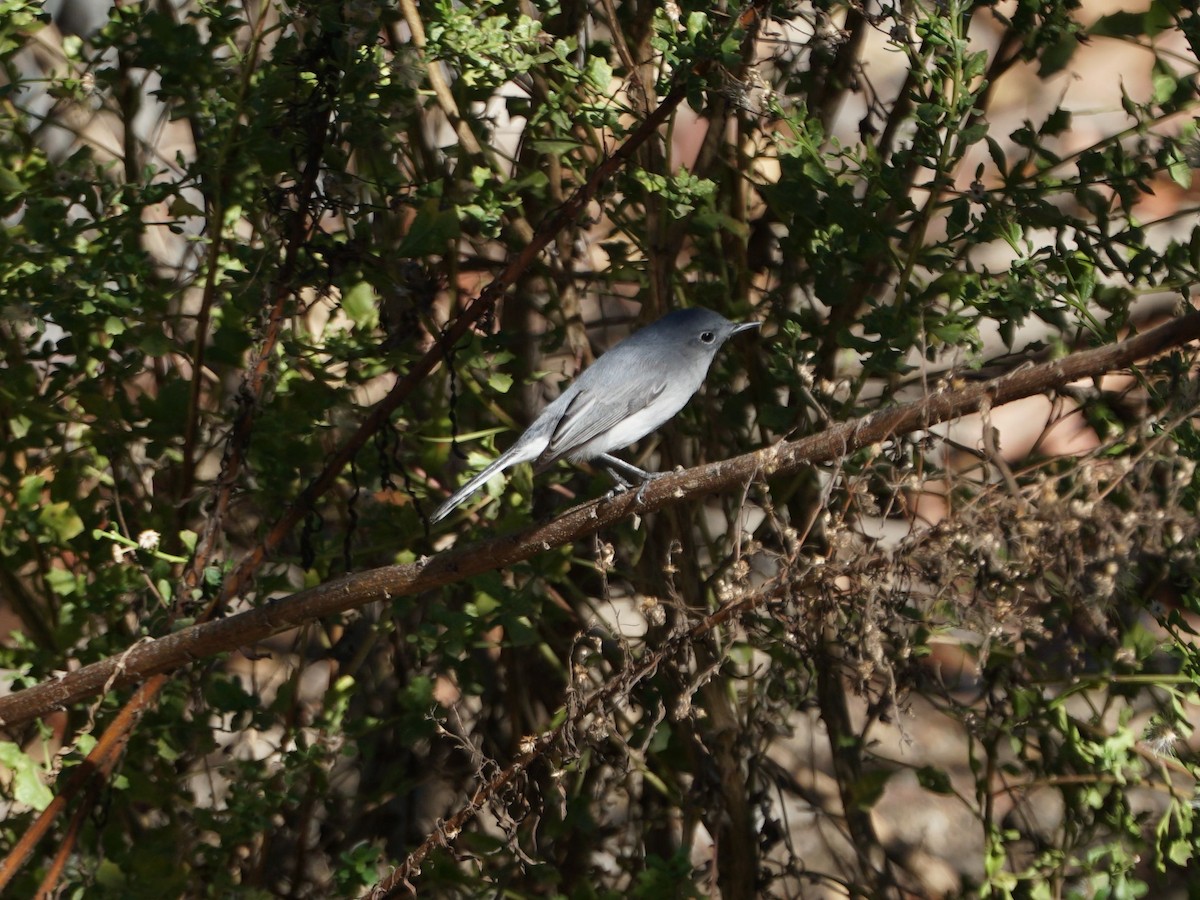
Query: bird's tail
x: 464, y: 492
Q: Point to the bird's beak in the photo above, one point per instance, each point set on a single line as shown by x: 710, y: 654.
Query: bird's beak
x: 745, y: 326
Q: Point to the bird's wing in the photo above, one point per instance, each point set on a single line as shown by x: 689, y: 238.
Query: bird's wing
x: 590, y: 414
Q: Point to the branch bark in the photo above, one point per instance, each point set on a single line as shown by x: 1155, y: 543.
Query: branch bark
x: 200, y: 641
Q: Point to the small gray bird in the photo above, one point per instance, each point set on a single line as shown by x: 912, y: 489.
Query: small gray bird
x: 627, y: 393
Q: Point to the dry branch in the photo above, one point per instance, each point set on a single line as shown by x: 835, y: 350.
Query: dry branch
x: 202, y: 641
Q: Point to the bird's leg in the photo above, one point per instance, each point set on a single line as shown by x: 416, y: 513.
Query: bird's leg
x: 622, y: 472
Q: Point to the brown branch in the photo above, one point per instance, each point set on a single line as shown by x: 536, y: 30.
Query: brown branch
x: 83, y: 811
x: 118, y: 669
x: 99, y: 763
x: 214, y: 200
x: 846, y: 759
x: 352, y: 591
x: 437, y: 81
x: 562, y: 218
x: 834, y: 83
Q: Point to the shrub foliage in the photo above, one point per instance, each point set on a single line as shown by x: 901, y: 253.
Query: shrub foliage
x: 248, y: 346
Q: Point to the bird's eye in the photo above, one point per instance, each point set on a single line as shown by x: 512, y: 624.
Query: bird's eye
x: 707, y: 337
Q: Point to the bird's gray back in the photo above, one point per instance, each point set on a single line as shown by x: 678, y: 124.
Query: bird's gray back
x: 632, y: 389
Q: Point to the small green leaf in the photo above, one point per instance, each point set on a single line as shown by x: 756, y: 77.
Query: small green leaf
x: 697, y: 22
x: 935, y: 780
x: 430, y: 233
x: 1179, y: 170
x: 19, y: 426
x: 62, y: 582
x: 61, y: 520
x: 30, y: 490
x: 555, y: 147
x: 1180, y: 852
x: 361, y: 305
x: 181, y: 209
x: 154, y: 343
x: 1164, y: 83
x: 10, y: 183
x: 598, y: 73
x: 110, y: 876
x: 973, y: 134
x: 869, y: 788
x: 1119, y: 24
x: 27, y: 785
x: 165, y: 751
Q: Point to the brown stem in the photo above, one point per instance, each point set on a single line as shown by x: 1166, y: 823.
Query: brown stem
x: 846, y: 747
x: 348, y: 592
x: 99, y: 764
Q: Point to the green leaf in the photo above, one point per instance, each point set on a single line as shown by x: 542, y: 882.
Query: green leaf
x: 27, y: 784
x: 500, y: 382
x: 1180, y: 852
x: 361, y: 305
x: 29, y: 492
x: 62, y: 582
x: 1164, y: 82
x: 10, y: 183
x: 19, y: 426
x: 430, y: 233
x: 555, y: 147
x: 1179, y: 168
x: 866, y: 792
x: 61, y: 520
x: 1127, y: 24
x: 598, y: 73
x: 110, y: 876
x: 973, y: 135
x: 935, y: 780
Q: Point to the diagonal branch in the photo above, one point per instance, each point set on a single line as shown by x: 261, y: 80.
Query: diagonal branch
x: 153, y: 679
x: 563, y: 217
x: 351, y: 591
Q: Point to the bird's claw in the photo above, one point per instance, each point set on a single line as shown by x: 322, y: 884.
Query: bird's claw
x: 641, y: 494
x: 623, y: 486
x: 615, y: 491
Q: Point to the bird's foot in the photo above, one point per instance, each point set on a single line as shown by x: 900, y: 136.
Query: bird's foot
x: 650, y: 476
x: 624, y: 485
